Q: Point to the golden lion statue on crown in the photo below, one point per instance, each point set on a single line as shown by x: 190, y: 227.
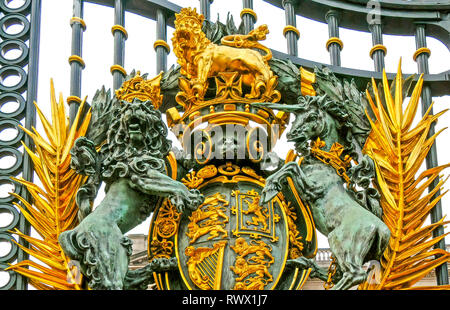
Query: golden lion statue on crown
x: 201, y: 59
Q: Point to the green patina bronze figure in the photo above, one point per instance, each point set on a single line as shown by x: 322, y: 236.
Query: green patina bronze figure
x: 131, y: 163
x: 226, y: 211
x: 322, y: 133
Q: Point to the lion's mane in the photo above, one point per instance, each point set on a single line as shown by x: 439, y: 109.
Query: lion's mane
x: 119, y: 158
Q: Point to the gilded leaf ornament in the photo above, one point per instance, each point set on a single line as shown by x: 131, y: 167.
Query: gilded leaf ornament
x: 53, y: 209
x: 398, y: 149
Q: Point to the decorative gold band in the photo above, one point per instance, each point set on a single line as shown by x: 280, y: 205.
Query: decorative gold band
x: 163, y: 44
x: 378, y: 47
x: 249, y: 11
x: 78, y: 59
x: 307, y: 80
x: 118, y: 68
x: 119, y: 28
x: 78, y: 20
x: 73, y: 99
x: 291, y: 28
x: 334, y: 40
x: 421, y: 50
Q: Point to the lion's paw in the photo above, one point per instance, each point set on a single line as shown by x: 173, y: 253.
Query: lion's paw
x: 187, y: 201
x: 194, y: 199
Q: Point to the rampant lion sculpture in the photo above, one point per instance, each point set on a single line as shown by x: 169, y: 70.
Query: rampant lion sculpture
x: 131, y: 163
x: 201, y: 59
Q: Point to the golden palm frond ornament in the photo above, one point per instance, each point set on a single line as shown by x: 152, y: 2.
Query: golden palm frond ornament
x: 399, y: 149
x: 53, y: 209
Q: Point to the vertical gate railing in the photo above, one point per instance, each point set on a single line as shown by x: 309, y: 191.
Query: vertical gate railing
x: 334, y: 13
x: 291, y: 32
x: 205, y: 6
x: 248, y: 16
x: 19, y: 54
x: 334, y: 44
x: 421, y: 57
x: 120, y: 35
x: 161, y: 46
x: 378, y: 50
x: 76, y: 61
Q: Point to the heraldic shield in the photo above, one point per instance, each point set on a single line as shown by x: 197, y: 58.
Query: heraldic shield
x: 231, y: 242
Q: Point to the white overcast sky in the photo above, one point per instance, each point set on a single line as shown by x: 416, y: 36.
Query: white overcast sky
x: 139, y: 54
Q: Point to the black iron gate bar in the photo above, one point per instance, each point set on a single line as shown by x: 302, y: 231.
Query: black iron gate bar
x: 76, y: 61
x: 421, y: 57
x: 396, y: 17
x: 23, y: 94
x: 120, y: 35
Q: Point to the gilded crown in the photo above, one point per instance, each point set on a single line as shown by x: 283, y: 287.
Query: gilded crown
x: 141, y: 88
x: 188, y: 13
x: 227, y: 102
x: 221, y: 82
x: 219, y: 86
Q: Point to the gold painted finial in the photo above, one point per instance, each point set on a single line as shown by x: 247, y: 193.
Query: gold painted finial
x: 187, y: 14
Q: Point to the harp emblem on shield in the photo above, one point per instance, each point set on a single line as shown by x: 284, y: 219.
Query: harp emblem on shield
x: 205, y: 265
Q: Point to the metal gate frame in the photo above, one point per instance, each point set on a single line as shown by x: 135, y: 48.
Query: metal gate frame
x: 395, y: 17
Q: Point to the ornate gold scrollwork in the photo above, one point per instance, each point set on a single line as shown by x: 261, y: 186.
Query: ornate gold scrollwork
x: 332, y: 157
x: 295, y: 239
x: 229, y: 169
x: 165, y: 227
x: 197, y: 179
x: 249, y: 171
x: 207, y: 172
x: 194, y: 179
x: 203, y: 149
x: 191, y: 180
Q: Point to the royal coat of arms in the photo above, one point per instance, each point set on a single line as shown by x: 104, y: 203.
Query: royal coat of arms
x: 227, y: 213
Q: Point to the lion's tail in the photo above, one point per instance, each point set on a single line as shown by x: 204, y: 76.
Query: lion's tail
x: 239, y: 41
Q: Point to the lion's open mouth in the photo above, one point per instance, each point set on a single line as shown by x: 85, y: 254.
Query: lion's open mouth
x: 186, y: 35
x: 183, y: 38
x: 136, y: 132
x: 134, y: 126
